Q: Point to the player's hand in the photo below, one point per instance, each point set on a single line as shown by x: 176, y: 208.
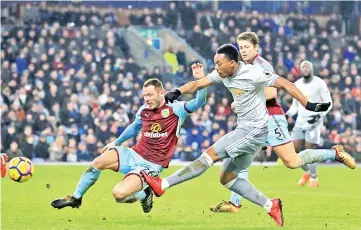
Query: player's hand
x: 233, y: 107
x: 108, y: 146
x: 197, y: 71
x: 289, y: 119
x: 173, y: 95
x: 318, y: 107
x: 314, y: 119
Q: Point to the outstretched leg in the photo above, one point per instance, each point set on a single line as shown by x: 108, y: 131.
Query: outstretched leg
x: 108, y: 160
x: 130, y: 191
x: 229, y: 178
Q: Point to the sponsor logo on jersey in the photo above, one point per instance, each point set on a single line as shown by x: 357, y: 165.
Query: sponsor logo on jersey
x: 165, y: 113
x: 237, y: 91
x: 155, y: 135
x: 155, y: 128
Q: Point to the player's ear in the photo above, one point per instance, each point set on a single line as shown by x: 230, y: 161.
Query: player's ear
x: 161, y: 92
x: 232, y: 63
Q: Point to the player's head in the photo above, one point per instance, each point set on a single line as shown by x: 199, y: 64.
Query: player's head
x: 153, y: 93
x: 226, y: 60
x: 248, y: 46
x: 306, y: 69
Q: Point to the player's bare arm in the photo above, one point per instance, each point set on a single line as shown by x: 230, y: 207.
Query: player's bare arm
x: 200, y: 83
x: 282, y: 83
x: 131, y: 131
x: 270, y: 93
x: 191, y: 87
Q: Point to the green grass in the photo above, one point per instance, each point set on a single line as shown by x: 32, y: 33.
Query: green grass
x: 336, y: 204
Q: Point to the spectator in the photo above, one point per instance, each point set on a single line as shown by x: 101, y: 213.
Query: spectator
x: 42, y: 148
x: 79, y: 85
x: 181, y: 56
x: 82, y: 153
x: 188, y: 15
x: 171, y: 58
x: 172, y: 16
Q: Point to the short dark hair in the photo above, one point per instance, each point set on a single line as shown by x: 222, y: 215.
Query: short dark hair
x: 230, y: 51
x: 154, y: 82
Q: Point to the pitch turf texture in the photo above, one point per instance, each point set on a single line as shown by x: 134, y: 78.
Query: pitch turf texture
x: 336, y: 204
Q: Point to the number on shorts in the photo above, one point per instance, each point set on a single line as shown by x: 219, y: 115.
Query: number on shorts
x: 278, y: 133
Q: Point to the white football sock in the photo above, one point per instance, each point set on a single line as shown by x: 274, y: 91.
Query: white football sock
x: 268, y: 206
x: 164, y: 184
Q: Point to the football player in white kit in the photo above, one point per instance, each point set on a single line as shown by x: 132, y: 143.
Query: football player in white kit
x: 278, y: 136
x: 307, y: 129
x: 237, y: 148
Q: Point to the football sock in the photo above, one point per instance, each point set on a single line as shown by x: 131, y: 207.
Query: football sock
x: 310, y: 156
x: 313, y: 170
x: 89, y: 177
x: 244, y: 188
x: 194, y: 169
x: 306, y: 169
x: 235, y: 198
x: 140, y: 195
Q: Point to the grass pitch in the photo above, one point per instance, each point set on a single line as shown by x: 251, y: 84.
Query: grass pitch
x: 336, y: 204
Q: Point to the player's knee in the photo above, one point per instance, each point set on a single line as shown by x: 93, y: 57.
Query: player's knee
x: 290, y: 163
x: 119, y: 194
x: 226, y: 178
x: 223, y: 181
x: 99, y: 163
x: 228, y: 182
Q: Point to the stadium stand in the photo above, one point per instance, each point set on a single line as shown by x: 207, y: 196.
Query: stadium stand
x: 69, y: 84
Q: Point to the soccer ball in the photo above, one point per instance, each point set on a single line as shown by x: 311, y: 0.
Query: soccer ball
x: 21, y: 169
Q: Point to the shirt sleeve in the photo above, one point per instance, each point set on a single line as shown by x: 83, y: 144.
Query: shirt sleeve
x: 293, y: 109
x: 214, y: 77
x: 267, y: 66
x: 263, y: 77
x: 184, y: 108
x: 132, y: 130
x: 325, y: 96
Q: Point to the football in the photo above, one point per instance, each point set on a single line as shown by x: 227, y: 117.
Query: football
x: 21, y: 169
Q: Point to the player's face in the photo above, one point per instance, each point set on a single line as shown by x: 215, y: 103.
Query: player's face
x: 247, y: 50
x: 153, y: 96
x: 224, y: 66
x: 306, y: 70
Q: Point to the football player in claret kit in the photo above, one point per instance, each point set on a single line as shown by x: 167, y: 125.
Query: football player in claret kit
x: 160, y: 123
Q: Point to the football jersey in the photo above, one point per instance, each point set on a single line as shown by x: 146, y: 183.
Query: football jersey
x: 315, y: 91
x: 160, y: 131
x: 247, y: 88
x: 273, y: 107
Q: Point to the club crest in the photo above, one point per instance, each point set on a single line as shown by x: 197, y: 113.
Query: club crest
x: 165, y: 113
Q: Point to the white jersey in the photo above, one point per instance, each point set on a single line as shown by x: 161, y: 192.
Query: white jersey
x: 258, y: 60
x: 247, y: 88
x: 315, y: 91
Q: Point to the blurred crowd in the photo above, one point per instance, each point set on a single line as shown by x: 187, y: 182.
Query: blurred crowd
x: 69, y: 84
x: 285, y: 41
